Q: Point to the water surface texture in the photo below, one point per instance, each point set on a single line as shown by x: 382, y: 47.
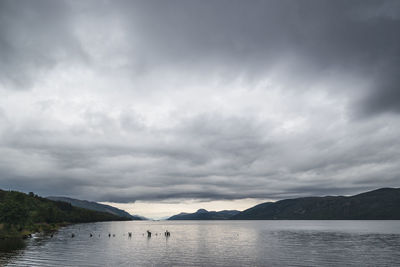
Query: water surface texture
x: 215, y: 243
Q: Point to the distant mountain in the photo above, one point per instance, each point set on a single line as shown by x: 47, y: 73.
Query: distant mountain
x: 140, y: 217
x: 380, y: 204
x: 95, y: 206
x: 203, y: 214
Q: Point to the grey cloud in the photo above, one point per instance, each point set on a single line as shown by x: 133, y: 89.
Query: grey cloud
x: 209, y: 153
x: 385, y: 96
x: 34, y: 37
x: 200, y: 161
x: 223, y: 38
x: 236, y: 38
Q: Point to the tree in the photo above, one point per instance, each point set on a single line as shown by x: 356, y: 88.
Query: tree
x: 13, y: 212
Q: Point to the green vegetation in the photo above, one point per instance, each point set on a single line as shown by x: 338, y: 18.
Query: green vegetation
x: 21, y: 214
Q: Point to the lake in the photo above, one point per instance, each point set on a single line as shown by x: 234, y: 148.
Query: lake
x: 215, y: 243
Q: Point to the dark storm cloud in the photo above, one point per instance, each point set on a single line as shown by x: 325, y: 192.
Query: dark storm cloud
x: 227, y: 37
x: 233, y: 37
x: 34, y: 37
x: 91, y: 128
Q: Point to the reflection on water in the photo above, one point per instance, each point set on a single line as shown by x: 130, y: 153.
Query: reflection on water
x: 10, y: 248
x: 11, y: 244
x: 216, y: 243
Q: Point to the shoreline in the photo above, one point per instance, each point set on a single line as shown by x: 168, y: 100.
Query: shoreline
x: 28, y: 231
x: 12, y: 232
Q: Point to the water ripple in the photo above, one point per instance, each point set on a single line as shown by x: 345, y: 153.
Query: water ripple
x: 216, y: 243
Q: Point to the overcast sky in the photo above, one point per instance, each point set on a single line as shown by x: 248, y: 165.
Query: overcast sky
x: 188, y: 101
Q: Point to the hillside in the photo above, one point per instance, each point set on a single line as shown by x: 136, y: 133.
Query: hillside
x: 203, y: 214
x: 380, y: 204
x: 95, y: 206
x: 21, y: 212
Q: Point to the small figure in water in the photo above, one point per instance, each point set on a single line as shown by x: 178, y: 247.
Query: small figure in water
x: 129, y: 234
x: 167, y: 233
x: 91, y: 235
x: 109, y: 235
x: 148, y: 233
x: 72, y: 235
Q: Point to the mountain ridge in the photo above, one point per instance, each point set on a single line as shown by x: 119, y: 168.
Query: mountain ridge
x: 203, y: 214
x: 91, y: 205
x: 379, y: 204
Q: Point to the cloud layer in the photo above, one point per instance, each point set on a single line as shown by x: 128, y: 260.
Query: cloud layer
x: 146, y: 100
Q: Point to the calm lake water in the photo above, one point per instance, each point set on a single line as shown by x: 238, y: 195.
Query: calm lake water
x: 216, y: 243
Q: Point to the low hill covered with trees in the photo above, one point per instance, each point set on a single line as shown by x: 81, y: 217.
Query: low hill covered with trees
x: 21, y: 214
